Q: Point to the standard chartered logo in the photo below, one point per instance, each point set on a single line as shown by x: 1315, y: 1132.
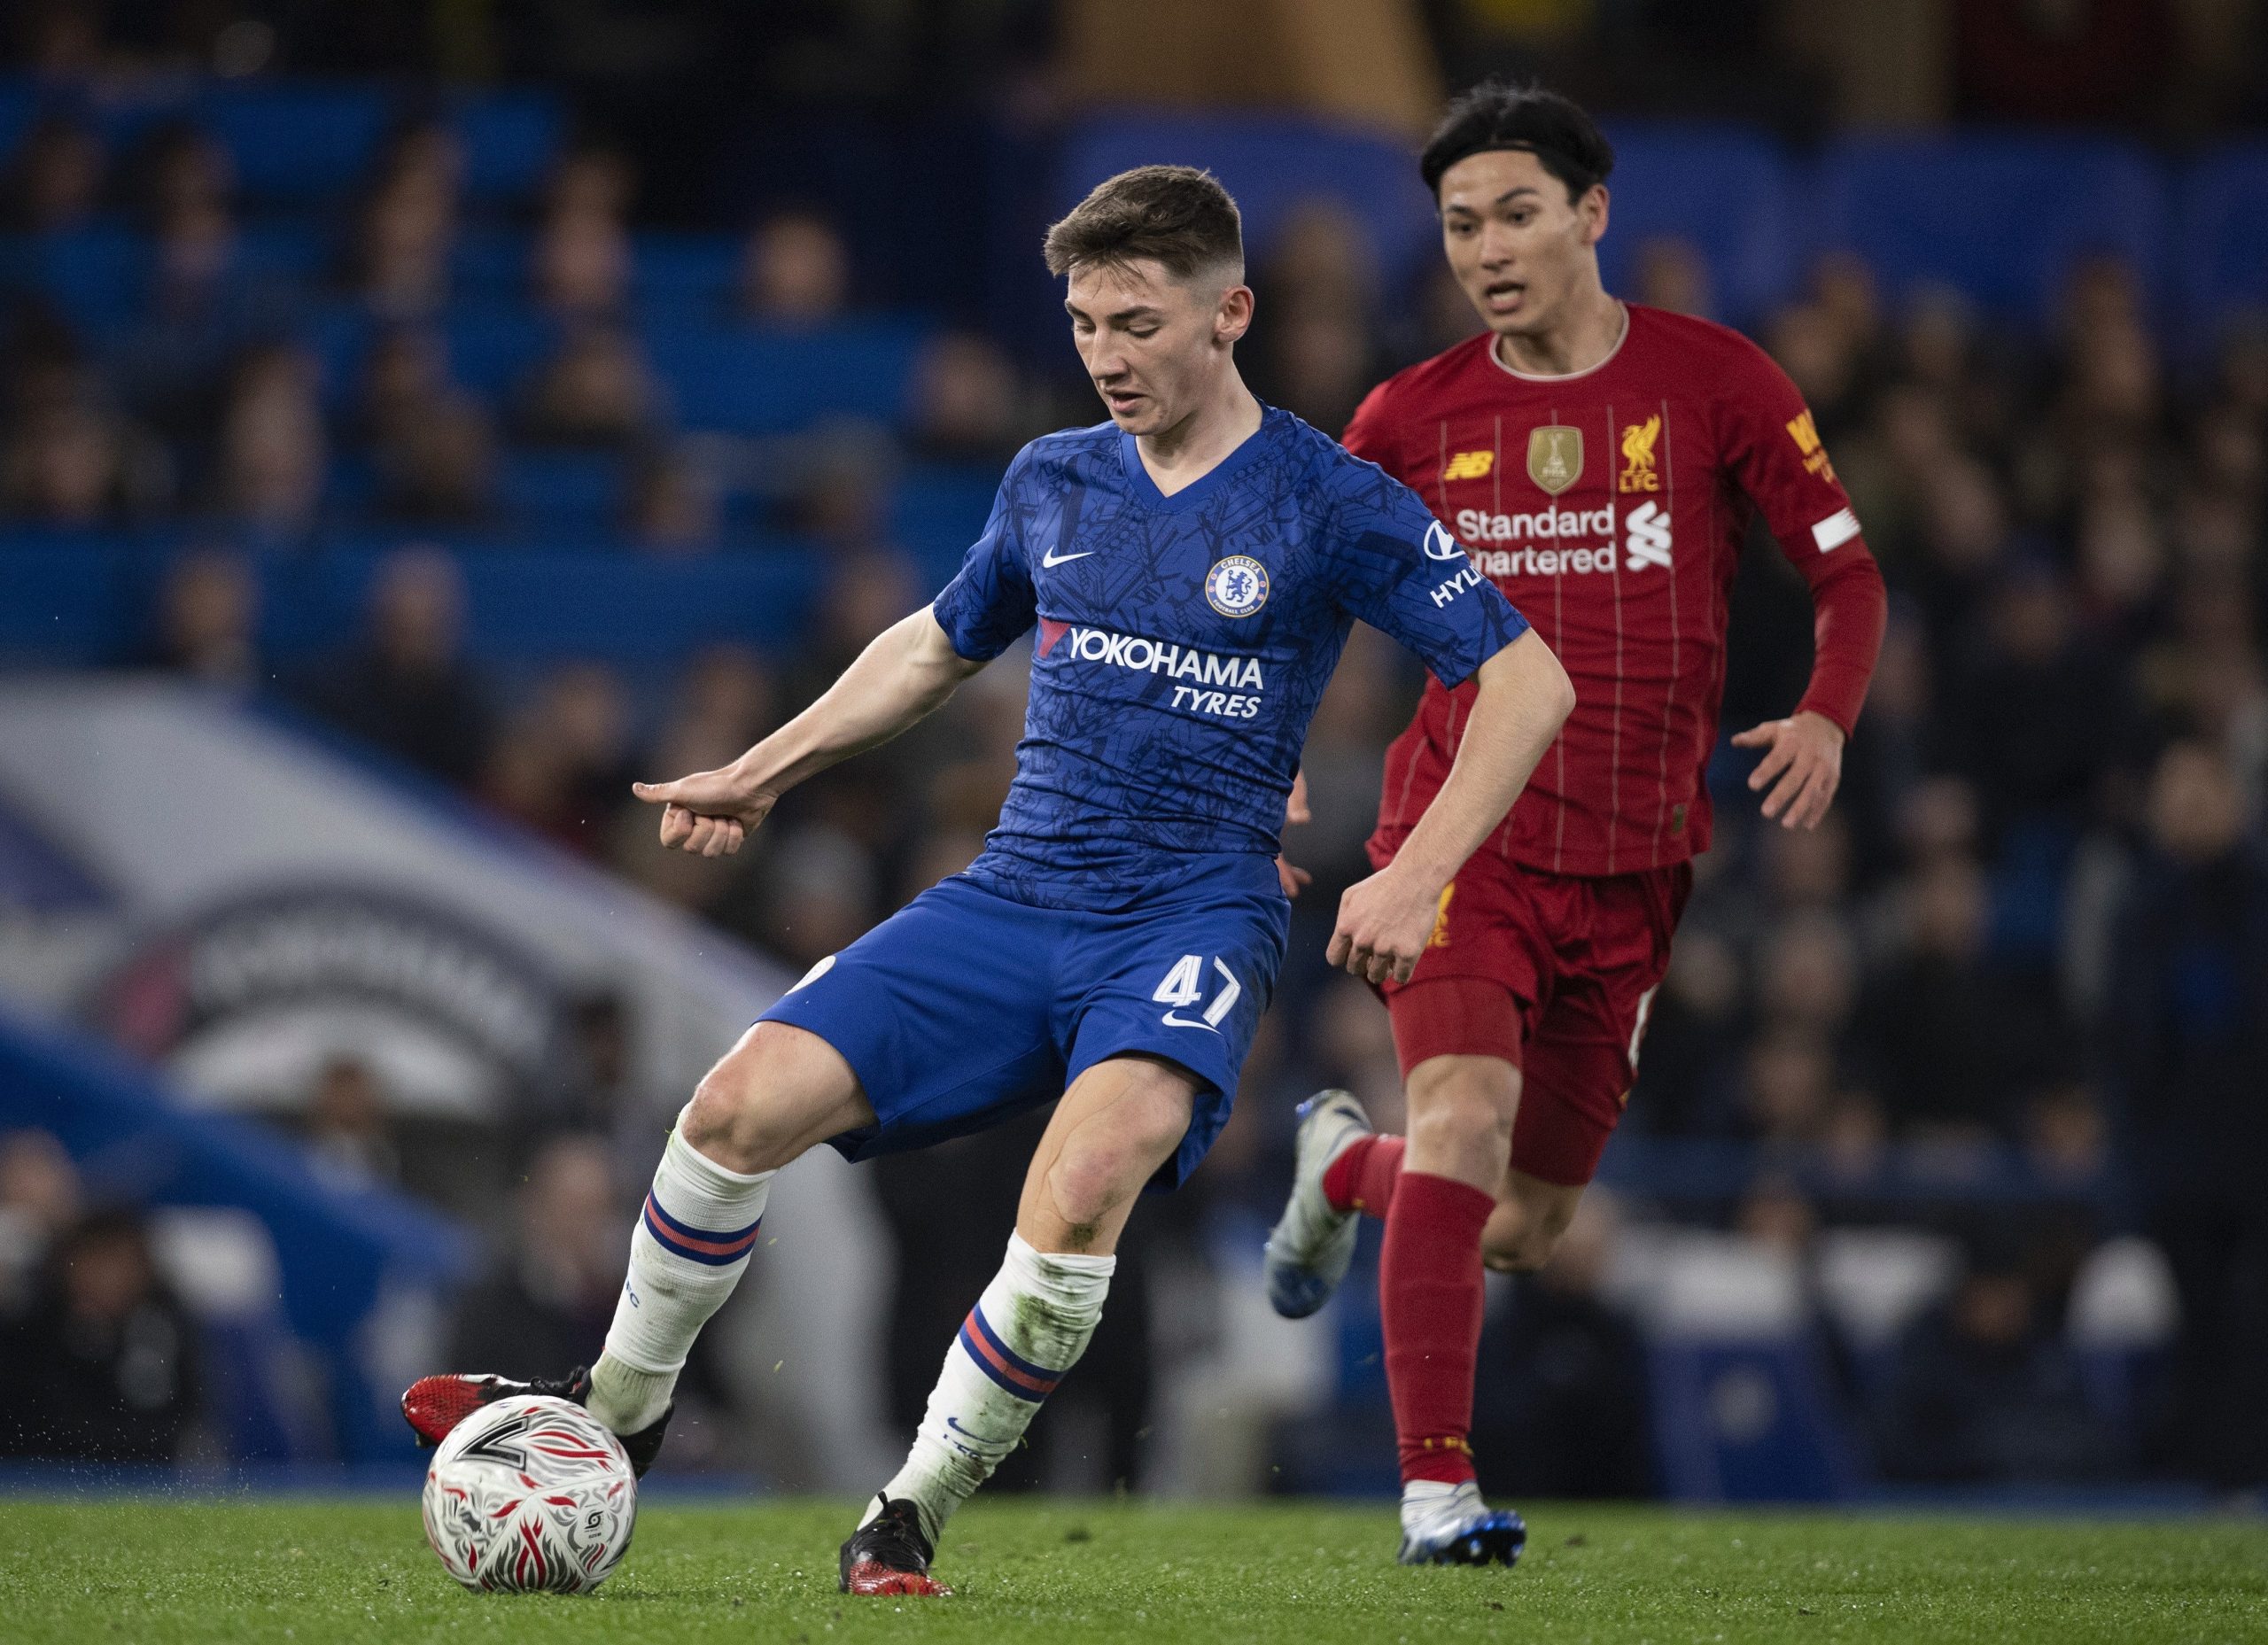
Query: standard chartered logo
x: 1647, y: 539
x: 1644, y: 530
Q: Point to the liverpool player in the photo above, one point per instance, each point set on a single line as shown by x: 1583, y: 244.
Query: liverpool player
x: 1599, y: 462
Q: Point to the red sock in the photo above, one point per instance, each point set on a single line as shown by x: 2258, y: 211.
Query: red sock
x: 1363, y: 1177
x: 1430, y: 1302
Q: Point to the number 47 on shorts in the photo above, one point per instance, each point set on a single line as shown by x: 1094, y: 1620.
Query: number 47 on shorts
x: 1184, y: 985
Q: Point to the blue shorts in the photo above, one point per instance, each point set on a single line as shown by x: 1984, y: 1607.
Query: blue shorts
x: 967, y: 1007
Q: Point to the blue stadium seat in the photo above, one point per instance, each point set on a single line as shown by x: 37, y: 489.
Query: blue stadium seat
x: 297, y: 251
x: 296, y: 141
x: 1272, y: 164
x: 510, y: 139
x: 768, y: 381
x: 686, y: 278
x: 96, y: 275
x: 2223, y: 235
x: 532, y: 606
x: 490, y: 264
x: 493, y: 346
x: 490, y: 346
x: 338, y: 335
x: 69, y: 597
x: 19, y: 108
x: 552, y: 491
x: 1726, y: 191
x: 2002, y: 217
x: 102, y: 277
x: 940, y: 510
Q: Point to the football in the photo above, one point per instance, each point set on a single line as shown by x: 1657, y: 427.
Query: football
x: 530, y: 1495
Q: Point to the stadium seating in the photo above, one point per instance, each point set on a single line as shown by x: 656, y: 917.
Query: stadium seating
x: 2223, y: 262
x: 86, y: 598
x: 2002, y: 217
x: 1755, y: 212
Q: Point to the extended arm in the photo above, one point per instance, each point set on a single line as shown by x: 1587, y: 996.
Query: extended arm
x: 907, y: 672
x: 1523, y: 698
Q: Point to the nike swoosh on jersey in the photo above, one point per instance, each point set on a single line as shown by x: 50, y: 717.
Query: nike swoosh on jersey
x: 1173, y: 1021
x: 1053, y: 558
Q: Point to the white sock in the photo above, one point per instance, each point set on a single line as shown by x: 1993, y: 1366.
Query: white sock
x: 688, y: 1250
x: 1431, y: 1506
x: 1028, y: 1329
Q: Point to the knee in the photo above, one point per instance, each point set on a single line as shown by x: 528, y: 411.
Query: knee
x: 730, y: 1120
x: 1102, y: 1169
x: 1466, y: 1109
x: 1520, y: 1239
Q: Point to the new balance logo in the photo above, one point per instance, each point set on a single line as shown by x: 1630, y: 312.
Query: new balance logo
x: 1470, y: 465
x: 1646, y: 541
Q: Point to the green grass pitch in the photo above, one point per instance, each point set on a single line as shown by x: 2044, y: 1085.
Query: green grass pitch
x: 313, y: 1570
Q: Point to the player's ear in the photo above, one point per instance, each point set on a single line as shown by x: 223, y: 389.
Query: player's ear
x: 1233, y: 316
x: 1591, y: 213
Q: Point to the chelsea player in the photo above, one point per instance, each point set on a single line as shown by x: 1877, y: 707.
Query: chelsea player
x: 1193, y: 566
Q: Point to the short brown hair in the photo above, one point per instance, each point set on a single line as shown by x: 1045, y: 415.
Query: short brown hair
x: 1176, y: 216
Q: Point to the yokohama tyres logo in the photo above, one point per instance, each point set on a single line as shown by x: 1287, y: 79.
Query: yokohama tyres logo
x: 1158, y: 656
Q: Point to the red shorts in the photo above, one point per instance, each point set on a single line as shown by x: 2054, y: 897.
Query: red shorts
x: 1555, y: 973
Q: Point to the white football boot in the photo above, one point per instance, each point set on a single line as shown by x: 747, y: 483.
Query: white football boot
x: 1451, y: 1526
x: 1311, y: 1245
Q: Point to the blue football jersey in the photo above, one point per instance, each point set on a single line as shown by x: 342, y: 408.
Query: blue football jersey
x: 1185, y: 640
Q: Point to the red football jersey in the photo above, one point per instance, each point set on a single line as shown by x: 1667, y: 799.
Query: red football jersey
x: 1610, y: 505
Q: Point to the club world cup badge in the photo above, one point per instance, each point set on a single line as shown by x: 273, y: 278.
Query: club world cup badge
x: 1555, y: 456
x: 1238, y: 585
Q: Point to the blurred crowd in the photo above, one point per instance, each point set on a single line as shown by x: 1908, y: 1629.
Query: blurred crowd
x: 211, y: 405
x: 97, y: 1352
x: 2023, y: 969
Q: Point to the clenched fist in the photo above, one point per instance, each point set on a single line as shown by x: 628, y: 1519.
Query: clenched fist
x: 1384, y: 924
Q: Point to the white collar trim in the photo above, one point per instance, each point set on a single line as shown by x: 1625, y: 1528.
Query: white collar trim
x: 1603, y: 362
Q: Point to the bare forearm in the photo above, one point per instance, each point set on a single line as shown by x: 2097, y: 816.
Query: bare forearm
x: 1524, y: 698
x: 904, y: 675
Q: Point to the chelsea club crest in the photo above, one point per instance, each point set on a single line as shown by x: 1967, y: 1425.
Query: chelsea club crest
x: 1238, y: 585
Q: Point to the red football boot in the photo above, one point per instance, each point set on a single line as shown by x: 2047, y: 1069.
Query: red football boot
x: 433, y: 1405
x: 889, y: 1555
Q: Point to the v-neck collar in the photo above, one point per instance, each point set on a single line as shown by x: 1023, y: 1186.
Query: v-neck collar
x: 1145, y: 488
